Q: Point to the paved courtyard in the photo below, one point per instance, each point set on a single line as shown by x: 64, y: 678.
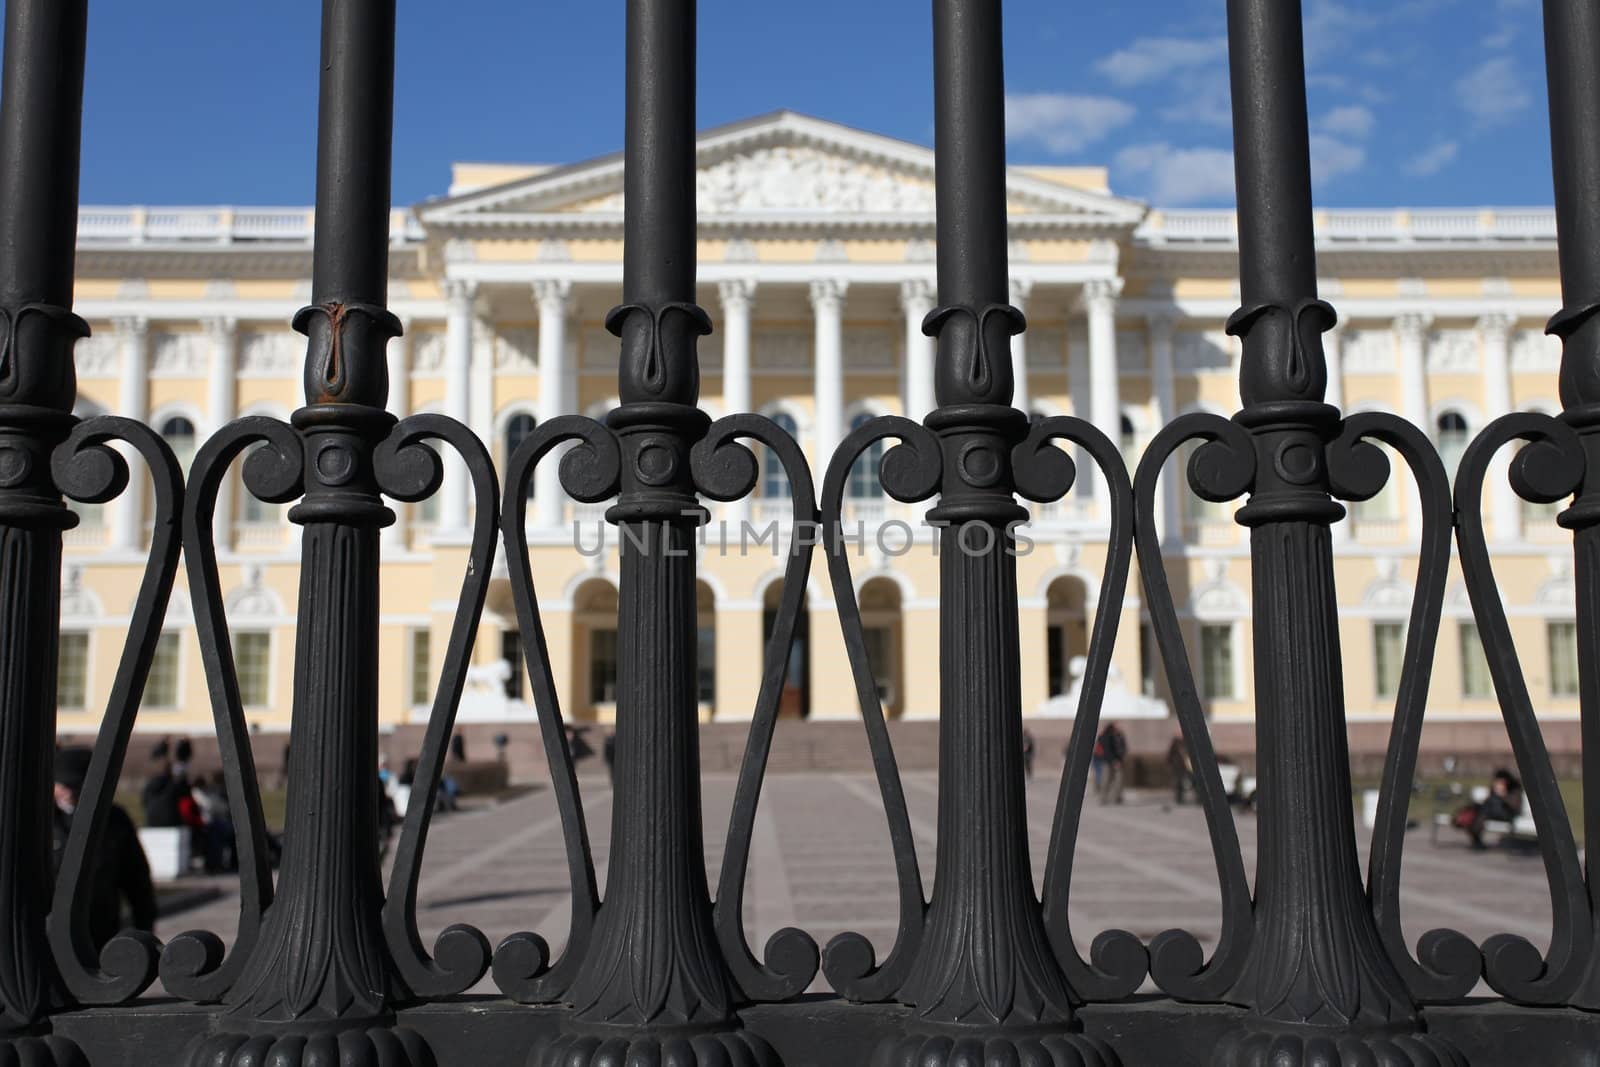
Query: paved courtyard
x: 821, y: 861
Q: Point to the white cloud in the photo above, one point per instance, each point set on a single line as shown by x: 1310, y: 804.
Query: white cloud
x: 1493, y: 91
x: 1432, y: 160
x: 1351, y: 121
x: 1063, y: 123
x: 1150, y: 59
x: 1332, y: 158
x: 1174, y: 176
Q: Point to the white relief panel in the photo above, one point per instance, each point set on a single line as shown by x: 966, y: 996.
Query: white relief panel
x: 1195, y: 351
x: 270, y: 353
x: 782, y: 350
x: 1368, y: 352
x: 99, y: 355
x: 1535, y: 350
x: 869, y: 350
x: 179, y: 355
x: 516, y: 350
x: 1453, y: 352
x: 427, y: 353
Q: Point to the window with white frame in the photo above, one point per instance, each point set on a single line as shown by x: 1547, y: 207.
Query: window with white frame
x: 420, y: 674
x: 1452, y: 435
x: 161, y: 689
x: 1216, y: 661
x: 72, y: 670
x: 252, y: 657
x: 181, y: 438
x: 1562, y: 638
x: 1388, y: 649
x: 1475, y: 681
x: 774, y: 479
x: 864, y: 483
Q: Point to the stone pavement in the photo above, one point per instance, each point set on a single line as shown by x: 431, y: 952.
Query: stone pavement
x: 821, y: 861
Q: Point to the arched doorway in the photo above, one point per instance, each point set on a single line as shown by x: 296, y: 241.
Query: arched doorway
x: 794, y: 701
x: 594, y: 651
x: 1067, y: 633
x: 880, y: 626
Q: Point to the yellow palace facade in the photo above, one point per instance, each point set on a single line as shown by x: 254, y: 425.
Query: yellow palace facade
x: 816, y: 264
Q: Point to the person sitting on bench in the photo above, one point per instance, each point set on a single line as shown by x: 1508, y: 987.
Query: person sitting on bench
x: 1503, y: 804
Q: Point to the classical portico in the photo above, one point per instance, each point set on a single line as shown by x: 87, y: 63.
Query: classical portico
x: 816, y: 263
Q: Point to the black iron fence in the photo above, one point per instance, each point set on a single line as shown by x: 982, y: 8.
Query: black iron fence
x: 327, y: 966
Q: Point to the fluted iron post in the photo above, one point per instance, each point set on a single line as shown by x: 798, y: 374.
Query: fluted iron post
x: 1572, y: 56
x: 653, y: 984
x: 41, y: 105
x: 320, y: 980
x: 984, y: 983
x: 1317, y: 983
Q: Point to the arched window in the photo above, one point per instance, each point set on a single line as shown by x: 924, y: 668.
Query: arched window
x: 1452, y: 436
x: 180, y: 434
x: 518, y: 428
x: 864, y: 483
x: 774, y: 480
x: 1128, y: 441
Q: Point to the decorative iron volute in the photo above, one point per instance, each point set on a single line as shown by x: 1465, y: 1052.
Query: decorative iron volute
x: 974, y: 358
x: 659, y: 358
x: 1283, y: 358
x: 345, y: 361
x: 36, y: 355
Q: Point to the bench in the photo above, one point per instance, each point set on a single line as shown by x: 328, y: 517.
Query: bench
x: 1521, y: 830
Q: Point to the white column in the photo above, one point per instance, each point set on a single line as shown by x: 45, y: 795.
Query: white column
x: 1105, y: 394
x: 133, y: 401
x: 916, y: 298
x: 1020, y: 288
x: 221, y: 406
x: 1505, y: 508
x: 1412, y: 328
x: 827, y: 303
x: 551, y: 295
x: 1161, y: 391
x: 1333, y: 356
x: 460, y: 297
x: 398, y: 359
x: 738, y: 294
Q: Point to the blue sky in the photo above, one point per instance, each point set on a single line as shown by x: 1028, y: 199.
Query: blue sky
x: 1413, y: 102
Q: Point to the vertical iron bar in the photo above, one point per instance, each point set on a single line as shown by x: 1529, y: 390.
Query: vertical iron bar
x: 1572, y: 59
x: 1317, y: 978
x: 653, y: 982
x: 320, y: 981
x: 984, y: 983
x: 41, y: 105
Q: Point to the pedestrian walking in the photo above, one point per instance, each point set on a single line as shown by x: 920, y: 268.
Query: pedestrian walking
x: 1113, y: 746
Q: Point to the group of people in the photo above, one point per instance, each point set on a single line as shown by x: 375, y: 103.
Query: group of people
x: 200, y: 804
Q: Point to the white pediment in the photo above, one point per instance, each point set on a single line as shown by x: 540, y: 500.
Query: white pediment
x: 783, y: 168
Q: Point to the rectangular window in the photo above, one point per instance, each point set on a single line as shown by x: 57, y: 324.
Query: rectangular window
x: 1216, y: 662
x: 161, y: 691
x: 1388, y: 646
x: 706, y: 662
x: 252, y: 656
x: 1475, y: 680
x: 880, y: 657
x: 421, y: 680
x: 602, y: 666
x: 1563, y: 639
x: 72, y: 671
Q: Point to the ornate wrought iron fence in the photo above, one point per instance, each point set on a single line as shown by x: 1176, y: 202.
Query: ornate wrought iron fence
x: 327, y: 966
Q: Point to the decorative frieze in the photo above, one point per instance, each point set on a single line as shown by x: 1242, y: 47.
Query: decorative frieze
x: 516, y: 349
x: 270, y: 353
x: 179, y: 355
x: 1368, y: 351
x: 99, y: 355
x: 427, y: 352
x: 1200, y: 351
x: 1534, y: 351
x: 1453, y: 352
x: 787, y: 350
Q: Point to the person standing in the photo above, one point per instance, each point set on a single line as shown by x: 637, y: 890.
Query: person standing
x: 121, y: 894
x: 1113, y: 746
x: 1178, y: 763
